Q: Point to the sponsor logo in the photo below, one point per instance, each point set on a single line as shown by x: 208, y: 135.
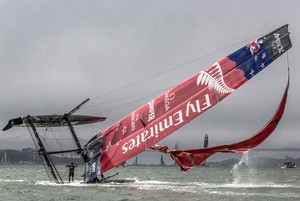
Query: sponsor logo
x: 168, y: 99
x: 93, y: 168
x: 214, y: 79
x: 174, y: 120
x: 255, y: 46
x: 276, y: 44
x: 151, y: 111
x: 134, y: 118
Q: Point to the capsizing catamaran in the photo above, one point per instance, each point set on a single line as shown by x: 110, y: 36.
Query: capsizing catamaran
x: 146, y: 126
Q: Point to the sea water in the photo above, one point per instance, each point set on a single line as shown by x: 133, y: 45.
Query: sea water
x: 241, y: 182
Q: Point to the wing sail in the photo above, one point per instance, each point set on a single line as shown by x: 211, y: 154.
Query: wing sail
x: 187, y: 159
x: 170, y: 111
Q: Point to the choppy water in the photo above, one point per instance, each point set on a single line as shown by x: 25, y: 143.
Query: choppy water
x: 30, y: 182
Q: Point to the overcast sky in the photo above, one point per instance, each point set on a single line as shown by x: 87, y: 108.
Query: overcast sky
x: 55, y: 54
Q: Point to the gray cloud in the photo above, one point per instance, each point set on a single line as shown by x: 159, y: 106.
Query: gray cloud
x: 53, y: 55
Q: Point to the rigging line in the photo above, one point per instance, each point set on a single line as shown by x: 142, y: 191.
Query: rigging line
x: 288, y: 64
x: 128, y: 97
x: 87, y: 130
x: 55, y: 139
x: 288, y: 60
x: 70, y: 108
x: 114, y: 108
x: 45, y: 132
x: 173, y: 68
x: 83, y: 140
x: 53, y: 134
x: 46, y: 144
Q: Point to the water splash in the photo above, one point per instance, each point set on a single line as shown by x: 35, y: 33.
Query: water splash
x: 243, y: 171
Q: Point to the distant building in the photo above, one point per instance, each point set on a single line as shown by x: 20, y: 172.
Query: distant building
x: 135, y: 161
x: 205, y: 141
x: 162, y: 162
x: 205, y: 144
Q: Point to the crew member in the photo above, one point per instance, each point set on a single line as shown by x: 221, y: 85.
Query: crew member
x: 71, y: 167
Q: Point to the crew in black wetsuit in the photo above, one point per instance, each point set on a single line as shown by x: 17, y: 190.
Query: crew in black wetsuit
x: 71, y: 167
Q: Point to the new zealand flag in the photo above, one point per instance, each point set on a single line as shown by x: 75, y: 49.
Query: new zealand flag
x: 260, y: 53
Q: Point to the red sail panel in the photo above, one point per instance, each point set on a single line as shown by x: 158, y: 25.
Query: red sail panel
x: 178, y: 106
x: 170, y: 111
x: 187, y: 159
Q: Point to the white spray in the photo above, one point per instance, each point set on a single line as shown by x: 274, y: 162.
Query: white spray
x: 243, y: 171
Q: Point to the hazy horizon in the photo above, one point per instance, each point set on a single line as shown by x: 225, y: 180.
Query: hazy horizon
x: 122, y: 54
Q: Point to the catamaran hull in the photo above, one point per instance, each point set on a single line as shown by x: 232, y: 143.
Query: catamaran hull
x: 54, y: 121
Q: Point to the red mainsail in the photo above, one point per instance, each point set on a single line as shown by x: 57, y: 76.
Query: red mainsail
x: 189, y: 158
x: 170, y: 111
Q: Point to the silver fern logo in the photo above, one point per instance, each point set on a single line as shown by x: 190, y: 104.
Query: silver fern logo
x: 214, y: 79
